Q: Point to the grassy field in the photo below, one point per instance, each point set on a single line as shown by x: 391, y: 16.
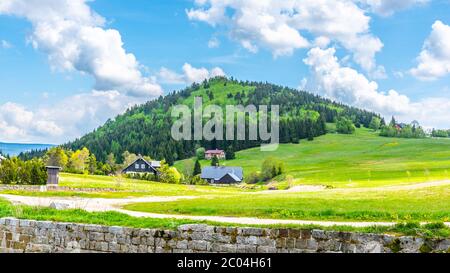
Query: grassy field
x: 125, y: 188
x: 358, y: 170
x: 428, y: 204
x: 360, y: 160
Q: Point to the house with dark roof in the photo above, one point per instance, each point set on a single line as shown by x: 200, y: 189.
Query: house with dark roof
x: 222, y: 175
x: 210, y: 154
x: 142, y: 166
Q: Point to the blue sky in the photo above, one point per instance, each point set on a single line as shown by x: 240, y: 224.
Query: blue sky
x: 39, y: 82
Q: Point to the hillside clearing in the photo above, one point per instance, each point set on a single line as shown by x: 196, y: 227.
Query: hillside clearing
x: 350, y: 161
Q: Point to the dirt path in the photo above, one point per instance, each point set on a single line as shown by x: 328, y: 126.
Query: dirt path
x: 88, y: 204
x: 416, y: 186
x: 99, y: 204
x: 319, y: 188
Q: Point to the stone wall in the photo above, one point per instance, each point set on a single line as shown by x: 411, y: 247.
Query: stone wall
x: 41, y: 236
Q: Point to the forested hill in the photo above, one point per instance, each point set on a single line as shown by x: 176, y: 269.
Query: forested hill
x: 146, y: 129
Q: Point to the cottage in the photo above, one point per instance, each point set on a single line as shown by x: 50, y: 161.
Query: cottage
x: 2, y: 158
x: 210, y: 154
x: 140, y: 165
x: 222, y: 175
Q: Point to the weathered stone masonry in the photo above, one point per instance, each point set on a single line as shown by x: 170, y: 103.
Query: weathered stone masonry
x: 48, y: 237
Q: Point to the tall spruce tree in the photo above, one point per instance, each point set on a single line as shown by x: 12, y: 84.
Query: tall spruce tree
x: 215, y: 161
x: 197, y: 168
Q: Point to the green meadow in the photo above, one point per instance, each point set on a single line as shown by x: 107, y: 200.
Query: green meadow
x: 123, y: 188
x: 360, y: 160
x: 367, y: 178
x: 426, y: 204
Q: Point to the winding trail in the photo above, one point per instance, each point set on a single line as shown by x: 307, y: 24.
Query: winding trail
x: 102, y: 204
x: 88, y: 204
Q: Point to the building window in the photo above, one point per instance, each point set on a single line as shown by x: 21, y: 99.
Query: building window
x: 137, y: 166
x: 143, y: 166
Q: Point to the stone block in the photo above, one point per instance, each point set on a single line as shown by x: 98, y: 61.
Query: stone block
x: 251, y: 231
x: 246, y: 248
x: 266, y: 249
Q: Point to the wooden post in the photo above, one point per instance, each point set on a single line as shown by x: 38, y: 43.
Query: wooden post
x: 53, y: 176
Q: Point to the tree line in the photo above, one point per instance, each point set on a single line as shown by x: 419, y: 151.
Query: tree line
x: 440, y: 133
x: 401, y: 130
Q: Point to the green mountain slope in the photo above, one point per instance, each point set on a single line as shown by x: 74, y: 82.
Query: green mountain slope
x: 363, y: 159
x: 145, y: 129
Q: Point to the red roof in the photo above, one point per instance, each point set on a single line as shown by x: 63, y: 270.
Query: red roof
x: 215, y: 152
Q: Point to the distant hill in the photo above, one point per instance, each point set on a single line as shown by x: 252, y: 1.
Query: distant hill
x: 14, y: 149
x: 145, y: 129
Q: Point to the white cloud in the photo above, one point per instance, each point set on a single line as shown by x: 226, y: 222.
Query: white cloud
x: 434, y: 60
x: 16, y: 122
x: 74, y: 38
x: 279, y: 25
x: 190, y: 74
x: 330, y: 79
x: 213, y: 43
x: 5, y: 44
x: 66, y: 120
x: 389, y: 7
x: 347, y: 85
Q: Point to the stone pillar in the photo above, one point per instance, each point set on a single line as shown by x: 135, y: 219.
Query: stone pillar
x: 53, y: 176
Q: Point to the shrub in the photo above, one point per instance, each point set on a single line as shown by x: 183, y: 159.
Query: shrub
x: 196, y: 180
x: 345, y: 126
x: 200, y: 153
x: 168, y: 174
x: 16, y: 171
x: 252, y: 178
x: 271, y: 168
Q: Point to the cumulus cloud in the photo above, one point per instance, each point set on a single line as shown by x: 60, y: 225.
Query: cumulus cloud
x: 75, y: 38
x: 190, y: 74
x: 280, y: 26
x: 434, y: 60
x: 16, y: 122
x: 389, y: 7
x: 347, y: 85
x: 65, y: 120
